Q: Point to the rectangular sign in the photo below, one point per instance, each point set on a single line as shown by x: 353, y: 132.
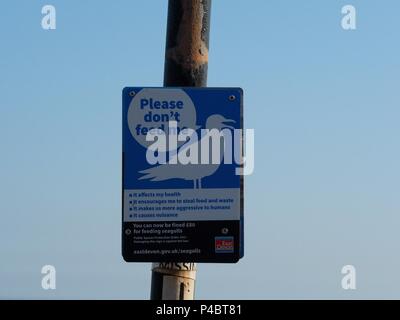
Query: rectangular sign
x: 182, y: 197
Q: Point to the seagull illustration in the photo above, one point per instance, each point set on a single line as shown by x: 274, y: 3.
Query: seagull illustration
x: 191, y: 172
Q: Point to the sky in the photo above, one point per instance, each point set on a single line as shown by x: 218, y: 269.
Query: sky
x: 324, y: 104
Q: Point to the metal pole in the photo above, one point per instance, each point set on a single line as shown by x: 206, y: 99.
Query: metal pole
x: 186, y: 63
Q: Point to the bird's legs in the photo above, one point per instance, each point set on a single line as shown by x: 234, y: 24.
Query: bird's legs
x: 197, y: 184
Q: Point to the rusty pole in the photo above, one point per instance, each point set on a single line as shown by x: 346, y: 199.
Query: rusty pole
x: 186, y: 63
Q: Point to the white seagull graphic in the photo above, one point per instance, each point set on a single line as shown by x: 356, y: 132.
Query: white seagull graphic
x: 193, y: 172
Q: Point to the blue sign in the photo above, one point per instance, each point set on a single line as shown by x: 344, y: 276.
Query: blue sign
x: 182, y: 185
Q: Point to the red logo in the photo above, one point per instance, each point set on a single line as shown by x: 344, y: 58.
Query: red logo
x: 224, y: 244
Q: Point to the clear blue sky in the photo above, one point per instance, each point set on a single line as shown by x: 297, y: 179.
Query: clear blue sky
x: 324, y: 103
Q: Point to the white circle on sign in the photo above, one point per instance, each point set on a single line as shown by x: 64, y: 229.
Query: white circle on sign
x: 155, y: 108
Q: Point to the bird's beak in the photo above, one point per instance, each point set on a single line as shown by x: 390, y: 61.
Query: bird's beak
x: 226, y: 125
